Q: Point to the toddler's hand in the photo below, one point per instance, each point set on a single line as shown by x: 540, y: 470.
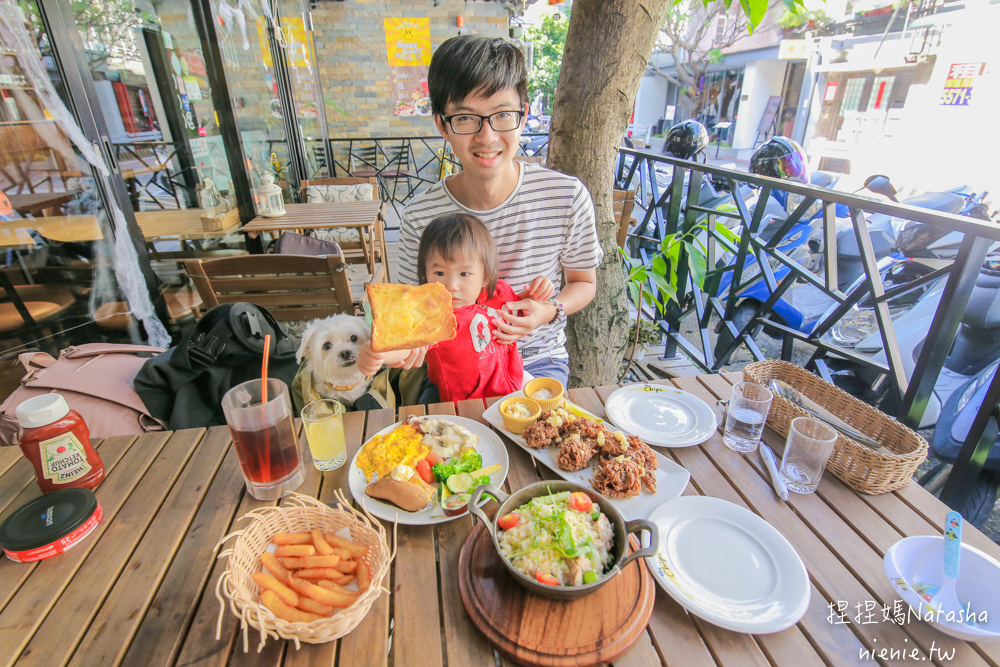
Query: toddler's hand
x: 540, y: 289
x: 369, y: 361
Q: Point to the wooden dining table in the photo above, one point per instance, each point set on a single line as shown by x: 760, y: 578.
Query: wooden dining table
x: 159, y: 225
x: 363, y: 217
x: 140, y: 590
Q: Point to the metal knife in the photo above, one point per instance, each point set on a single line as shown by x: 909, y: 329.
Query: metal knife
x: 772, y: 468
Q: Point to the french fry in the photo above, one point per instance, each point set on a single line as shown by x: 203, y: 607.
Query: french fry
x: 295, y: 550
x: 271, y: 600
x: 344, y: 579
x: 313, y: 607
x: 292, y: 538
x: 347, y: 565
x: 319, y: 593
x: 274, y: 566
x: 269, y: 583
x: 357, y: 550
x: 337, y: 588
x: 364, y: 576
x: 311, y: 561
x: 343, y: 553
x: 323, y: 547
x: 317, y: 573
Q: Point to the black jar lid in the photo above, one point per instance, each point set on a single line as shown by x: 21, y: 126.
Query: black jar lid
x: 47, y: 519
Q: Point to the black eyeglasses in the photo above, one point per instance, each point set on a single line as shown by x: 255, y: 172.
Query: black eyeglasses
x: 470, y: 123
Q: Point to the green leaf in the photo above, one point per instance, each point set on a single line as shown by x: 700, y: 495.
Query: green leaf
x: 633, y: 293
x: 665, y: 287
x: 659, y: 265
x: 697, y: 262
x: 755, y: 10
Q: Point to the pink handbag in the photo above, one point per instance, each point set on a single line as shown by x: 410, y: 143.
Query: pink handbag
x: 96, y: 381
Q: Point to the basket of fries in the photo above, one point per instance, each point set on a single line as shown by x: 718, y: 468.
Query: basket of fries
x: 304, y: 571
x: 865, y: 470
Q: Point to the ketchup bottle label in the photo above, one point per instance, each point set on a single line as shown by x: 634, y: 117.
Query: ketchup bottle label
x: 64, y: 458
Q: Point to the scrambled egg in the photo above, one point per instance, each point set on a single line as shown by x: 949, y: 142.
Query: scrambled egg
x: 402, y: 446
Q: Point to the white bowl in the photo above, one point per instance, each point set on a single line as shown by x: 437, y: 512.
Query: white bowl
x: 920, y: 559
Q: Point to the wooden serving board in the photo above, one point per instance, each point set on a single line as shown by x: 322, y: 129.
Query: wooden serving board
x: 537, y: 631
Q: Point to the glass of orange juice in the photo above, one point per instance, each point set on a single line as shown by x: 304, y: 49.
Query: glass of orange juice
x: 324, y: 426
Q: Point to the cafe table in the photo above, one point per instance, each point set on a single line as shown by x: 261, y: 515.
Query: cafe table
x: 160, y: 225
x: 140, y: 590
x: 365, y: 217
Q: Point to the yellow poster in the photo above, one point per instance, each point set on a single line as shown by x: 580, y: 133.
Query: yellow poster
x: 408, y: 49
x: 296, y: 42
x: 408, y: 41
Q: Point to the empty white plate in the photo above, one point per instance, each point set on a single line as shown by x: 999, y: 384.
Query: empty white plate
x: 727, y: 565
x: 661, y: 415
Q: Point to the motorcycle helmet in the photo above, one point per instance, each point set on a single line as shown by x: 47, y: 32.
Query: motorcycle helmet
x: 685, y: 140
x: 780, y: 157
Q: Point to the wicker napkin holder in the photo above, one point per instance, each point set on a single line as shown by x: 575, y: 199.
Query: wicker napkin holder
x: 861, y: 468
x: 297, y: 514
x: 216, y: 223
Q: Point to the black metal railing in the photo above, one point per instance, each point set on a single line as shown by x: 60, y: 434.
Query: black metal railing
x: 669, y: 203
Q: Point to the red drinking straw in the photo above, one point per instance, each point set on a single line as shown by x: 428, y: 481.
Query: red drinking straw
x: 263, y: 406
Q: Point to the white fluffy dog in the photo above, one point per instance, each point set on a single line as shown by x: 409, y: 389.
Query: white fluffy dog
x: 331, y: 347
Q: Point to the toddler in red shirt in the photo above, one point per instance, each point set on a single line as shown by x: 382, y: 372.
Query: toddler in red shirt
x: 457, y: 251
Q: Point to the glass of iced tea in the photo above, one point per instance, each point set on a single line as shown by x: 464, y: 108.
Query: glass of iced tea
x: 324, y: 427
x: 264, y: 438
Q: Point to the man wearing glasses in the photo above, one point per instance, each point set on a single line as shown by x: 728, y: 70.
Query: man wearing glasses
x: 542, y: 221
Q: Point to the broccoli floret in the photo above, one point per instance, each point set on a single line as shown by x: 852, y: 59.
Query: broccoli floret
x: 443, y: 471
x: 482, y: 479
x: 469, y: 460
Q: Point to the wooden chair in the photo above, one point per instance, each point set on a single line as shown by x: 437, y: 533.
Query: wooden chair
x: 356, y: 252
x: 291, y: 287
x: 624, y: 201
x: 34, y: 310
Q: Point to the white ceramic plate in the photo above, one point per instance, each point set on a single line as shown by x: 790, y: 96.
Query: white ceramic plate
x: 671, y: 478
x: 489, y: 446
x: 661, y: 415
x: 727, y: 565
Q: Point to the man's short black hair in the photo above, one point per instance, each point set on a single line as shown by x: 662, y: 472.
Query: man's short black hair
x: 475, y: 64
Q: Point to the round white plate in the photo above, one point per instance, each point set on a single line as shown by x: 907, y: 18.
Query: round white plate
x: 727, y: 565
x: 661, y: 415
x: 490, y: 446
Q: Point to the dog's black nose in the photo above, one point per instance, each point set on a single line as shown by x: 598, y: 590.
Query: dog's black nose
x: 346, y: 355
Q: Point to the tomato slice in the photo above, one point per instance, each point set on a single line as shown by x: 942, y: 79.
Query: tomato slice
x: 424, y: 470
x: 580, y: 501
x: 508, y: 521
x: 546, y: 578
x: 433, y: 459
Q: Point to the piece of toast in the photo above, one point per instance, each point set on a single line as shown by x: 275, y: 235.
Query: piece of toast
x: 405, y: 317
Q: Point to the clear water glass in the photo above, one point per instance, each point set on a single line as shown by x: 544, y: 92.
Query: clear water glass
x: 746, y: 415
x: 808, y: 447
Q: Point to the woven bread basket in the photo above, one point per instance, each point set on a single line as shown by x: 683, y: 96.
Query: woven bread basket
x: 299, y: 513
x: 861, y: 468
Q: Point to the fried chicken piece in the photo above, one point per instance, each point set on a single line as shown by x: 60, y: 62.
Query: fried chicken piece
x: 587, y: 428
x: 559, y: 417
x: 574, y: 453
x: 642, y: 454
x: 613, y: 443
x: 618, y: 477
x: 540, y: 435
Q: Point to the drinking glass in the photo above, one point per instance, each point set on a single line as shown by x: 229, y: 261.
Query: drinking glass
x: 746, y: 416
x: 324, y: 426
x: 264, y: 438
x: 807, y: 449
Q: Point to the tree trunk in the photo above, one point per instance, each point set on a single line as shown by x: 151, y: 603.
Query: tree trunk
x: 607, y: 47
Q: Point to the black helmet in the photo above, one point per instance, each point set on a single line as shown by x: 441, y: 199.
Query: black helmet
x: 780, y: 158
x: 686, y: 139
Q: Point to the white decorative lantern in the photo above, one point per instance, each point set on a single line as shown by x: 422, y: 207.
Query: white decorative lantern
x: 270, y: 201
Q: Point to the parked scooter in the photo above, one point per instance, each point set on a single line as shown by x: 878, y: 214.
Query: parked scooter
x: 923, y: 250
x: 780, y: 158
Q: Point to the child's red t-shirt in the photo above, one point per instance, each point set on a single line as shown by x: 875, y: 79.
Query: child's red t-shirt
x: 473, y: 364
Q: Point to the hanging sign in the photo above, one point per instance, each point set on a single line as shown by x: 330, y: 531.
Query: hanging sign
x: 958, y: 85
x: 408, y: 50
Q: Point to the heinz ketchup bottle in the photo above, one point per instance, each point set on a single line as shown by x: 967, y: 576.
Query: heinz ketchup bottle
x: 57, y: 442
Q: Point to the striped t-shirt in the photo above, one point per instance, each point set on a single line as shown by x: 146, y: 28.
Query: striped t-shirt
x: 545, y: 226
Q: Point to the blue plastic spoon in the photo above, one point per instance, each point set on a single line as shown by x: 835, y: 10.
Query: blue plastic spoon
x: 944, y: 598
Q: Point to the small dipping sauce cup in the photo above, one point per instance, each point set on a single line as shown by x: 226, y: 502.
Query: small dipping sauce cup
x: 264, y: 438
x: 323, y: 422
